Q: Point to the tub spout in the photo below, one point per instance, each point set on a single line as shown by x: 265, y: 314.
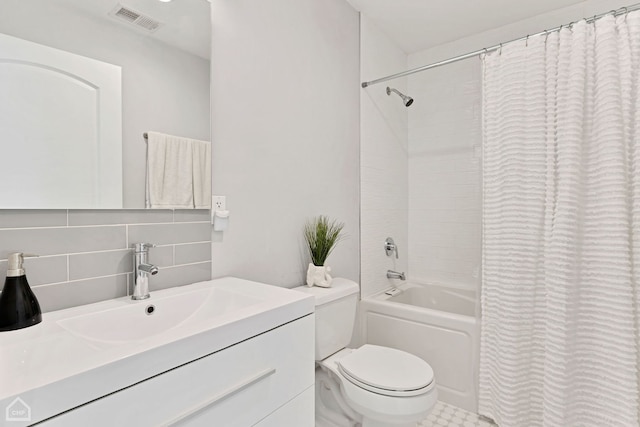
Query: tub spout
x: 395, y: 275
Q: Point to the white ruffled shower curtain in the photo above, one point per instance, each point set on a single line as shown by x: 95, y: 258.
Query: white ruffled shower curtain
x: 561, y: 240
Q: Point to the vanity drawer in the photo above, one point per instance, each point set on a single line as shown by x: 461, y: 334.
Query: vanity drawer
x: 237, y: 386
x: 298, y: 412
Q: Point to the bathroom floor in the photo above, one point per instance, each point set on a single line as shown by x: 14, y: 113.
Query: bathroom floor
x: 445, y: 415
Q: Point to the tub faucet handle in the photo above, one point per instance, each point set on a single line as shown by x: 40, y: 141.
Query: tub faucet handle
x: 390, y: 247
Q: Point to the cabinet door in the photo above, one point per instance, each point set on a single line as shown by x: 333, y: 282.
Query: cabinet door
x: 237, y: 386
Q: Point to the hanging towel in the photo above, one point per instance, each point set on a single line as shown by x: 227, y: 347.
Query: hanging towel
x: 178, y: 172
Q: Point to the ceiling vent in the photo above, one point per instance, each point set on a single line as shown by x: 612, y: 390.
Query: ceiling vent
x: 130, y: 16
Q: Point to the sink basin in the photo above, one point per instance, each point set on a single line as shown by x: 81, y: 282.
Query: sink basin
x: 142, y: 319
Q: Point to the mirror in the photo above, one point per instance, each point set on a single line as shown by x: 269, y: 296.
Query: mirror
x: 162, y: 51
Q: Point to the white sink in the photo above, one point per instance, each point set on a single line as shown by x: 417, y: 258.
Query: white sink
x: 83, y: 353
x: 137, y: 320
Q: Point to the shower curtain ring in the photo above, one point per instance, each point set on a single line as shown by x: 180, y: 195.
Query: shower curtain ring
x: 500, y: 50
x: 625, y: 13
x: 526, y: 42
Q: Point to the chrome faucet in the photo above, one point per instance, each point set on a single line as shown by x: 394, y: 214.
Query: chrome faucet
x: 141, y: 270
x: 395, y: 275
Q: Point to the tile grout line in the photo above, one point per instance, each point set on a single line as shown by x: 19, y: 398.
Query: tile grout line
x: 103, y: 225
x: 198, y: 242
x: 80, y: 280
x: 127, y: 273
x: 184, y: 265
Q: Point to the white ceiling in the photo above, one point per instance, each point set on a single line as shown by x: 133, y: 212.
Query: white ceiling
x: 186, y: 23
x: 416, y: 25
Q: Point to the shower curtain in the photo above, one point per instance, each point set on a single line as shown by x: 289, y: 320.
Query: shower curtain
x: 561, y: 228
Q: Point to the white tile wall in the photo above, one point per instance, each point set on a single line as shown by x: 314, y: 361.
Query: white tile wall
x: 421, y: 169
x: 383, y: 158
x: 445, y: 141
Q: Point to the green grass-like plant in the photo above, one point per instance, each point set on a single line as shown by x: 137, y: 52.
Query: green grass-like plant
x: 322, y: 235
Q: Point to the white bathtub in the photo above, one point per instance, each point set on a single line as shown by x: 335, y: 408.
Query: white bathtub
x: 435, y: 323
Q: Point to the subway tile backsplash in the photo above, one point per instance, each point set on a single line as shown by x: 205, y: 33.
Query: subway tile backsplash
x: 62, y: 240
x: 85, y: 255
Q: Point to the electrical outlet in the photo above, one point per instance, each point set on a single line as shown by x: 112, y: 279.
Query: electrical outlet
x: 219, y: 203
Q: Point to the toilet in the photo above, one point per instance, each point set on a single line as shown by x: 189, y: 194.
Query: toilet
x: 370, y: 386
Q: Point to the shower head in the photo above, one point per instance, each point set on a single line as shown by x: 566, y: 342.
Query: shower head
x: 407, y: 100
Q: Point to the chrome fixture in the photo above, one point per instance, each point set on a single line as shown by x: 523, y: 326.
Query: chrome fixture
x: 141, y: 270
x: 407, y: 100
x: 390, y: 247
x: 395, y: 275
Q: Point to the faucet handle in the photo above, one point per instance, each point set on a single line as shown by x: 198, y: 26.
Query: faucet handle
x: 390, y: 247
x: 143, y: 247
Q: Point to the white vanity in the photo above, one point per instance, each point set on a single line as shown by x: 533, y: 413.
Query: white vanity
x: 226, y: 352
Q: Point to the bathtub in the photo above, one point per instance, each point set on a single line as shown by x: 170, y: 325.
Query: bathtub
x: 435, y: 323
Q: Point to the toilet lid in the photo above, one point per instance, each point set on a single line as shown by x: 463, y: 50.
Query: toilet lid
x: 386, y: 370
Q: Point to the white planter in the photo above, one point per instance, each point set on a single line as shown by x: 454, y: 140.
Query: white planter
x: 318, y: 275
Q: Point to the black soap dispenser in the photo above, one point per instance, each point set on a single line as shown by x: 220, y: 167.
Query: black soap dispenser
x: 19, y: 306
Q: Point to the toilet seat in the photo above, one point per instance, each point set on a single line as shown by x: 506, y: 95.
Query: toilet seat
x: 374, y: 403
x: 386, y: 371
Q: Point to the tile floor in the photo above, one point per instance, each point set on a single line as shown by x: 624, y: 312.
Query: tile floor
x: 445, y: 415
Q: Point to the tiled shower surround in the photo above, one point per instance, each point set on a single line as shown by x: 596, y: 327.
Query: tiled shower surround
x: 85, y: 255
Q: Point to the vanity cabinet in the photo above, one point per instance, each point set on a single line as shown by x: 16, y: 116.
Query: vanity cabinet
x: 267, y: 381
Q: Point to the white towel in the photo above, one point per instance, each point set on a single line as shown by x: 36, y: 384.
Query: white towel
x: 178, y: 172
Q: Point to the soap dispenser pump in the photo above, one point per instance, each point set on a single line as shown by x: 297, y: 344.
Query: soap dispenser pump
x: 19, y: 306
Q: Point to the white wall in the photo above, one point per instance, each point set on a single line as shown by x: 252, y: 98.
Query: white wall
x: 384, y: 186
x: 164, y: 89
x: 285, y: 90
x: 445, y: 140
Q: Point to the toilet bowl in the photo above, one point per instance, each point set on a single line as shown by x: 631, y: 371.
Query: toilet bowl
x: 371, y: 386
x: 386, y: 387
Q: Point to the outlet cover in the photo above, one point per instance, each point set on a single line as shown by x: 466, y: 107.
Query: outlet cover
x: 219, y: 203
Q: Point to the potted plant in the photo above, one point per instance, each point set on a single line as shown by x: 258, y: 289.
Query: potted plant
x: 322, y: 235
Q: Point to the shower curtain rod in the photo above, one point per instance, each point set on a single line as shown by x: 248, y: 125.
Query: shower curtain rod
x: 616, y: 12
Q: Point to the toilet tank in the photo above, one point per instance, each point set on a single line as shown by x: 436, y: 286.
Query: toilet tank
x: 335, y: 315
